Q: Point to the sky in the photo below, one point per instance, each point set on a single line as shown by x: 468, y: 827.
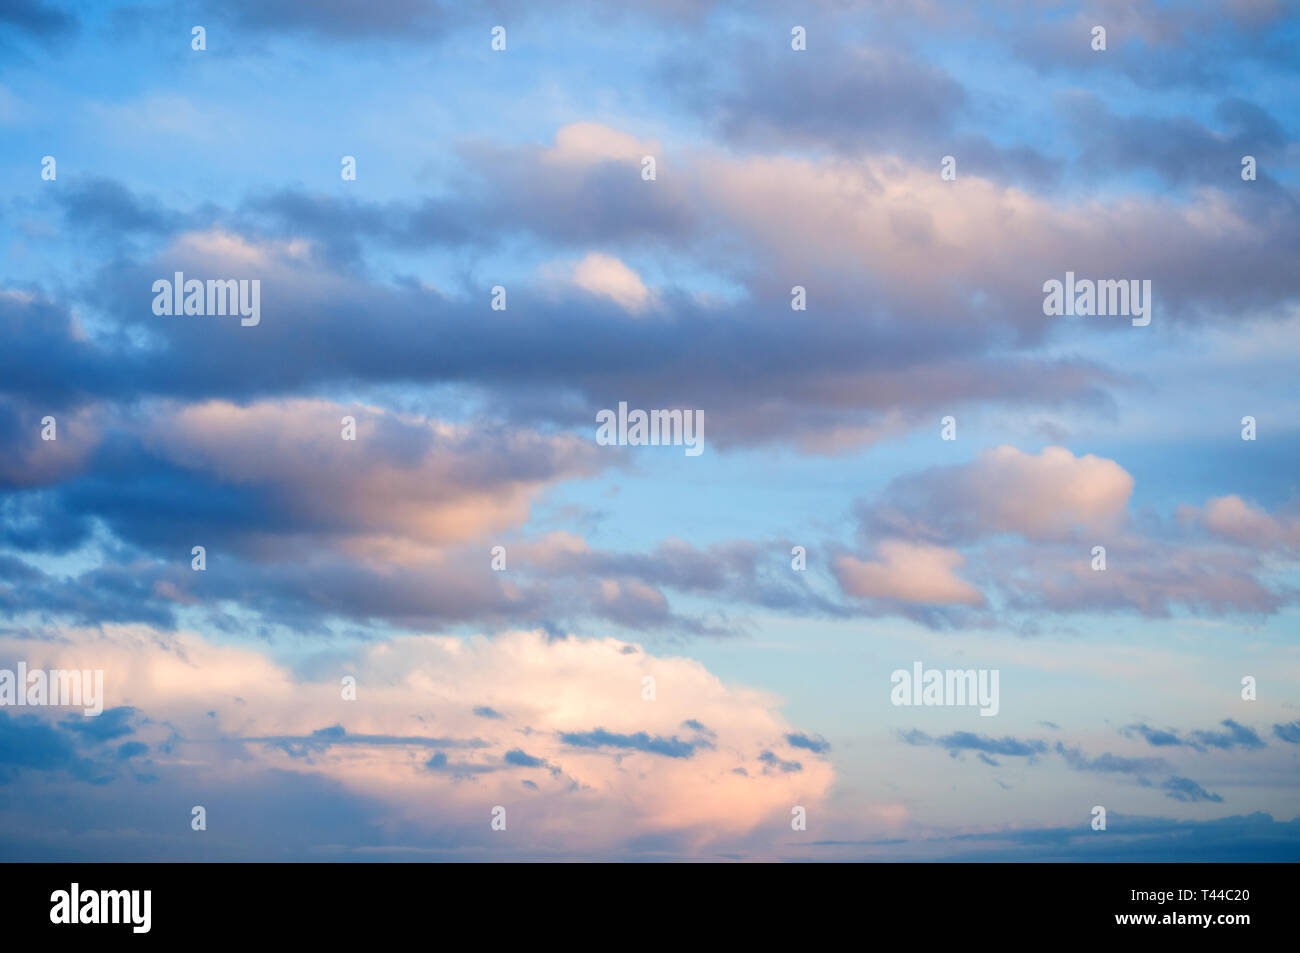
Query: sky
x: 365, y: 582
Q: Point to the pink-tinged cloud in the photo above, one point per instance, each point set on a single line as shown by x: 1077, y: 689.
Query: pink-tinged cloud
x: 32, y: 460
x: 614, y: 743
x: 1029, y: 522
x: 1150, y: 577
x: 402, y: 480
x: 909, y: 572
x: 1051, y: 495
x: 1046, y: 495
x: 1233, y: 518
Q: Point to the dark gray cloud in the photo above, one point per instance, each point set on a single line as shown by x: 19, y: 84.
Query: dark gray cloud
x: 459, y: 769
x: 110, y: 724
x: 131, y: 749
x: 817, y: 745
x: 773, y: 763
x: 1181, y: 150
x: 108, y: 209
x: 111, y: 593
x: 1236, y: 736
x: 1157, y: 46
x: 959, y: 741
x: 75, y: 747
x: 300, y: 588
x: 640, y: 741
x: 1157, y: 738
x: 846, y: 97
x: 1108, y: 763
x: 520, y: 758
x: 323, y: 739
x: 1289, y: 733
x: 1185, y: 789
x: 1240, y: 838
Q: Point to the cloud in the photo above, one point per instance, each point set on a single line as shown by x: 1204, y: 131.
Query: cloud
x: 1026, y: 526
x: 618, y: 767
x: 1237, y: 736
x: 108, y: 207
x: 1158, y: 577
x: 294, y: 572
x: 1051, y: 495
x: 817, y: 745
x: 848, y: 98
x: 519, y: 758
x: 824, y: 218
x: 922, y: 344
x: 1289, y: 733
x: 959, y: 741
x: 600, y: 738
x: 1180, y: 149
x: 908, y: 572
x: 1157, y: 738
x: 1167, y: 47
x: 418, y: 480
x: 1240, y: 838
x: 1185, y: 789
x: 419, y: 334
x: 775, y: 169
x: 1108, y: 763
x: 109, y: 725
x: 27, y: 742
x: 605, y: 275
x: 773, y: 763
x: 1232, y: 518
x: 77, y: 746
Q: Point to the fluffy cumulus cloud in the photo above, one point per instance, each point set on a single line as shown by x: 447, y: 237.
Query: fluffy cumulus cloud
x: 1049, y: 495
x: 417, y: 480
x: 910, y: 572
x: 606, y: 275
x: 592, y: 743
x: 1023, y: 530
x: 1234, y: 519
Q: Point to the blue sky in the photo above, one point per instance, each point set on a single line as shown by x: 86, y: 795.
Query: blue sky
x: 524, y: 688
